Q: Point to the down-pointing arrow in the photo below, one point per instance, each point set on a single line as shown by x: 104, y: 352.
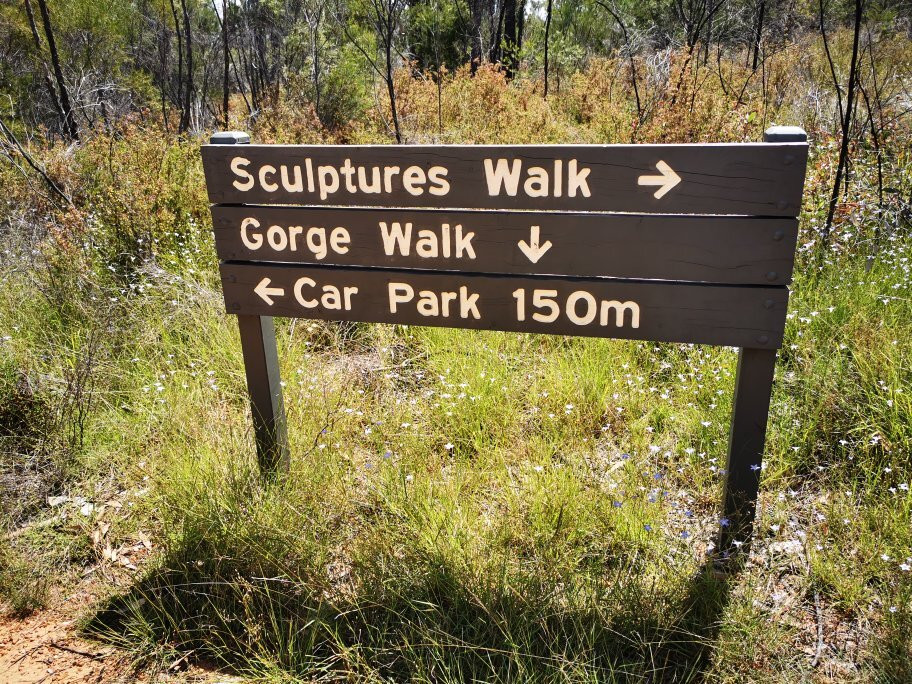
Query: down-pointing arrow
x: 532, y: 249
x: 267, y: 293
x: 666, y: 181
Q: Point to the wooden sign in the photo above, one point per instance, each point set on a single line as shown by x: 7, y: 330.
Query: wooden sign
x: 764, y: 179
x: 674, y: 243
x: 716, y: 249
x: 644, y: 310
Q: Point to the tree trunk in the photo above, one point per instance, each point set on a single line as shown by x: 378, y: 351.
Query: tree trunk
x: 226, y: 75
x: 476, y: 7
x: 520, y: 26
x: 390, y: 84
x: 547, y: 35
x: 508, y: 51
x: 188, y: 90
x: 69, y: 121
x: 180, y: 60
x: 495, y: 54
x: 846, y: 125
x: 40, y: 53
x: 759, y: 34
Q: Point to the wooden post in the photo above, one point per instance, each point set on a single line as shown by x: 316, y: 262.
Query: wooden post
x: 261, y: 363
x: 753, y: 390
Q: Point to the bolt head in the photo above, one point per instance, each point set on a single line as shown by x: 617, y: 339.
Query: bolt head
x: 778, y: 235
x: 771, y: 276
x: 763, y: 339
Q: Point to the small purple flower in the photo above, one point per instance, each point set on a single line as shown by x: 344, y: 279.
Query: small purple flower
x: 647, y: 527
x: 625, y: 456
x: 755, y: 467
x: 685, y: 534
x: 616, y: 504
x: 725, y: 522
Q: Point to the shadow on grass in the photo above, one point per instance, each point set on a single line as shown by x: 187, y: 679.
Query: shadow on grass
x: 436, y: 629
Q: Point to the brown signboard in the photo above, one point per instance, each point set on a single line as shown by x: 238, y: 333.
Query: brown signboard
x: 717, y: 249
x: 661, y: 311
x: 673, y: 243
x: 746, y: 179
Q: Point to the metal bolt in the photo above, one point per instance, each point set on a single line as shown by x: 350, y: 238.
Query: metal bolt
x: 782, y: 204
x: 763, y: 339
x: 778, y: 235
x: 768, y: 304
x: 789, y: 158
x: 771, y: 276
x: 231, y: 278
x: 235, y: 306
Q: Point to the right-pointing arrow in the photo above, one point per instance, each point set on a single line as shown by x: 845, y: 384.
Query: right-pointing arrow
x: 532, y: 249
x: 666, y: 181
x: 267, y: 293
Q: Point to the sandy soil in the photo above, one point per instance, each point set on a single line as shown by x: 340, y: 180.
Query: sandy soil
x: 44, y: 648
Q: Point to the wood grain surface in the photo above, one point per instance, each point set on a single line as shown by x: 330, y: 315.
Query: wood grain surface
x: 745, y: 316
x: 764, y: 179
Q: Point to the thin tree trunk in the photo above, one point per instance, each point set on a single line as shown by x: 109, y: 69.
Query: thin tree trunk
x: 633, y: 71
x: 846, y: 125
x: 48, y: 83
x: 390, y: 84
x: 495, y: 54
x: 547, y: 35
x: 180, y: 62
x: 475, y: 10
x: 226, y: 75
x: 520, y: 25
x: 188, y: 91
x: 829, y: 56
x: 758, y: 36
x: 508, y: 55
x: 69, y: 121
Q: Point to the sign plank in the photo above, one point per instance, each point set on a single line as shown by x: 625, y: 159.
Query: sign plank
x: 719, y: 249
x: 662, y: 311
x: 762, y: 179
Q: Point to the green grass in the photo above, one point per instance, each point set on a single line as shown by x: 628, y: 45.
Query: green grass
x: 467, y: 506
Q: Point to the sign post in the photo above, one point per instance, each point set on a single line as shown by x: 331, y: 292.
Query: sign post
x: 750, y: 411
x: 261, y: 364
x: 674, y: 243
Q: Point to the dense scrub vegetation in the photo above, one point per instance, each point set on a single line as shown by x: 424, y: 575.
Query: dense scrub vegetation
x: 461, y: 506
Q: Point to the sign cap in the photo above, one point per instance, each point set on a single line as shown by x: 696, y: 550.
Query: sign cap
x: 785, y: 134
x: 229, y: 138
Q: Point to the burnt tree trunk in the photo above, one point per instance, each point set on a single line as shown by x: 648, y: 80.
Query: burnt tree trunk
x: 69, y: 121
x: 508, y: 52
x: 476, y: 10
x: 758, y: 36
x: 226, y: 73
x: 188, y: 90
x: 846, y: 126
x: 48, y: 83
x: 547, y: 36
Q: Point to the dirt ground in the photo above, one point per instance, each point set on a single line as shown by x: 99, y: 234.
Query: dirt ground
x: 44, y: 648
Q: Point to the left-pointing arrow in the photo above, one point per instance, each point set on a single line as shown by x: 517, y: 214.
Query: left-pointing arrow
x: 267, y: 293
